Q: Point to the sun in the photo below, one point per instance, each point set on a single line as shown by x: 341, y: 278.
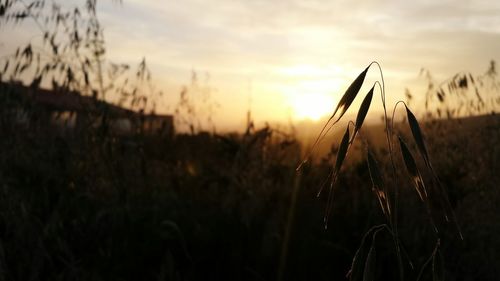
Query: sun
x: 310, y: 90
x: 312, y: 106
x: 312, y: 99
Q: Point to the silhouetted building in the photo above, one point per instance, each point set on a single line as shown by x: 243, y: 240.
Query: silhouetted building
x: 70, y: 111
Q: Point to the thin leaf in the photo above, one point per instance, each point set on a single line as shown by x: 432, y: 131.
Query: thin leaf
x: 378, y: 184
x: 471, y: 78
x: 441, y: 94
x: 363, y: 110
x: 343, y: 105
x: 344, y: 146
x: 413, y: 171
x: 369, y: 272
x: 479, y: 96
x: 418, y: 182
x: 419, y: 140
x: 359, y: 260
x: 417, y: 136
x: 6, y: 66
x: 437, y: 267
x: 350, y: 94
x: 423, y: 272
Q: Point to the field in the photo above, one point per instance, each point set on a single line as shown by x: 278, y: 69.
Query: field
x: 107, y: 173
x: 218, y: 207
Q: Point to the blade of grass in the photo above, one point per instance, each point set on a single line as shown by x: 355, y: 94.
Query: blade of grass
x: 344, y: 103
x: 363, y: 110
x: 413, y: 171
x: 437, y: 267
x: 378, y: 185
x: 417, y: 180
x: 370, y: 263
x: 343, y: 149
x: 419, y: 140
x: 417, y: 135
x: 359, y: 260
x: 429, y: 260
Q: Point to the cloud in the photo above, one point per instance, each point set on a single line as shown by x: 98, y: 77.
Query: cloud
x: 239, y: 40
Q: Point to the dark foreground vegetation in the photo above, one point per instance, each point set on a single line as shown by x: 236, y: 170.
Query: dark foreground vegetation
x: 94, y: 206
x: 90, y: 202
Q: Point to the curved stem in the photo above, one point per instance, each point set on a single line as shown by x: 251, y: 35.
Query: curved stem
x: 434, y: 252
x: 323, y: 133
x: 394, y: 223
x: 35, y: 19
x: 394, y: 111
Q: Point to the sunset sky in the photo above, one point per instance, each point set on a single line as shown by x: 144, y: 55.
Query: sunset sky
x: 293, y: 59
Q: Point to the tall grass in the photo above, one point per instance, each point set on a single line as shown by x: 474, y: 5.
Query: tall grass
x: 96, y: 206
x: 363, y: 264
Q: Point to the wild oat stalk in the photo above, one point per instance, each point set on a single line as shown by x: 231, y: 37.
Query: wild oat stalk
x: 363, y: 266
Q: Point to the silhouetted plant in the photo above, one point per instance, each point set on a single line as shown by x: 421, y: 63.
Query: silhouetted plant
x: 70, y: 55
x: 463, y: 94
x: 196, y: 107
x: 363, y: 266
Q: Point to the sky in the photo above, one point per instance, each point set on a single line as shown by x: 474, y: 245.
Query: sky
x: 292, y: 60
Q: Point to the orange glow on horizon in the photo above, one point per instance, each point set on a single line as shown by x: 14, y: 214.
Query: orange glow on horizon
x: 311, y: 90
x: 312, y: 106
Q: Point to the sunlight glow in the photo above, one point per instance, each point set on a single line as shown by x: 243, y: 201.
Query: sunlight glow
x: 312, y: 106
x: 311, y: 90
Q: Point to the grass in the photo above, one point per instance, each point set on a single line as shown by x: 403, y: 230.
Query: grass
x: 389, y: 202
x: 90, y: 205
x: 100, y: 207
